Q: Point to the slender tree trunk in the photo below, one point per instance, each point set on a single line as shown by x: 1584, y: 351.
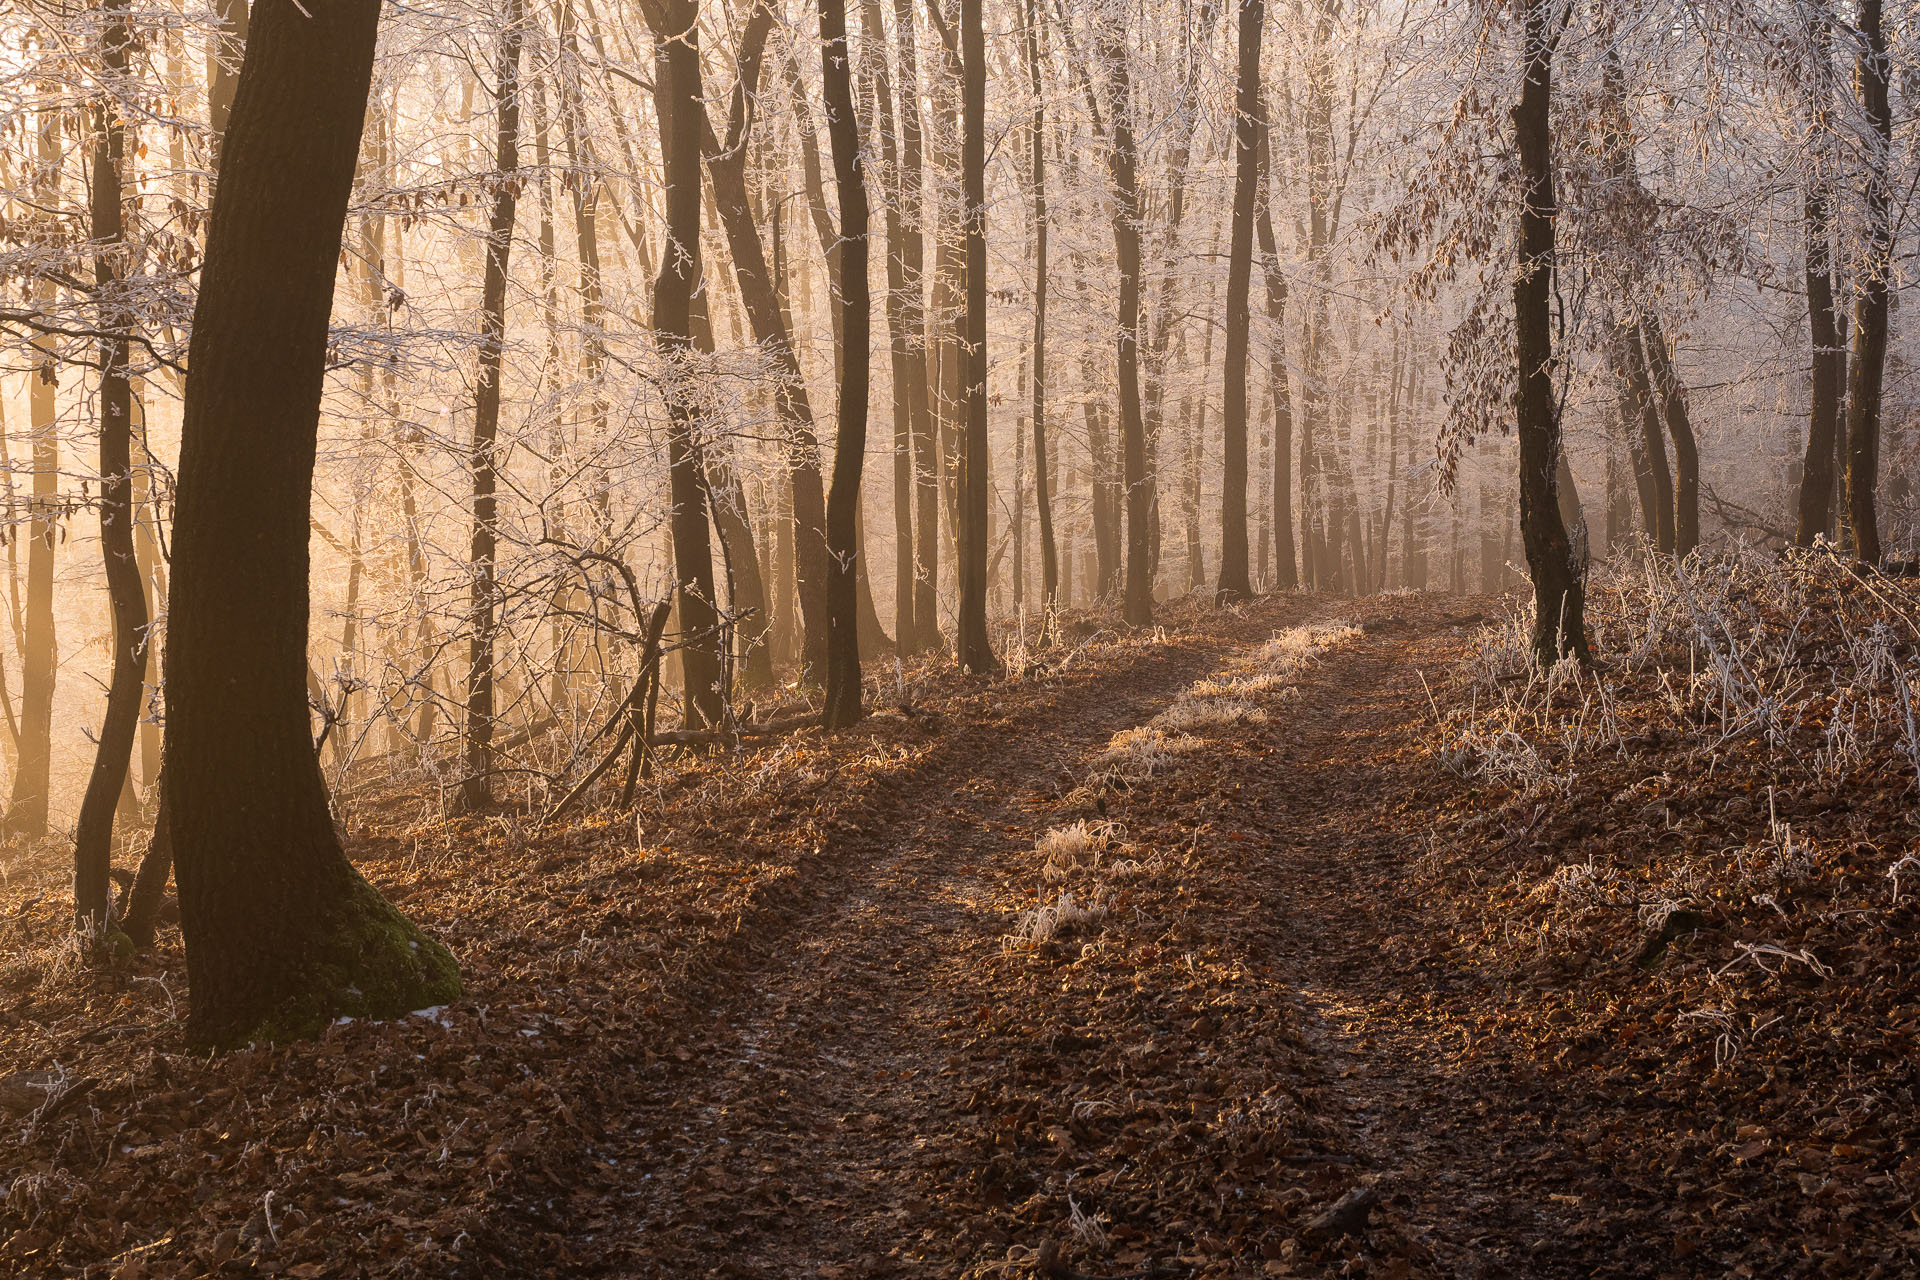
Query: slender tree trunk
x: 26, y: 814
x: 1558, y: 593
x: 476, y: 789
x: 282, y: 934
x: 93, y: 837
x: 1234, y: 583
x: 1867, y: 366
x: 926, y: 463
x: 1123, y: 167
x: 1672, y: 398
x: 1042, y: 491
x: 1815, y: 515
x: 975, y: 649
x: 1653, y: 447
x: 843, y: 691
x: 1286, y: 576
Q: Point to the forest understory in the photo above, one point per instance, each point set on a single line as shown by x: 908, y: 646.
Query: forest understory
x: 1297, y: 939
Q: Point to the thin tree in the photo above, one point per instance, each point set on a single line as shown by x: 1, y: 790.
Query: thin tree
x: 1866, y: 368
x: 682, y: 120
x: 282, y: 934
x: 1815, y: 514
x: 843, y: 692
x: 93, y: 836
x: 476, y: 788
x: 1234, y: 583
x: 1042, y: 493
x: 975, y: 648
x: 1286, y: 574
x: 1559, y: 626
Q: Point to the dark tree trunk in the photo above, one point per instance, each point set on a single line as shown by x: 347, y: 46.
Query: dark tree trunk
x: 1106, y: 500
x: 682, y: 116
x: 1867, y: 366
x: 1234, y: 583
x: 282, y: 934
x: 926, y: 464
x: 975, y: 649
x: 843, y: 697
x: 900, y: 345
x: 1815, y: 516
x: 1652, y: 462
x: 476, y: 790
x: 1042, y: 491
x: 1123, y: 166
x: 1672, y: 398
x: 1558, y: 593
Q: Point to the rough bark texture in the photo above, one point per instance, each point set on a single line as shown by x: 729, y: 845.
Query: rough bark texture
x: 843, y: 692
x: 281, y: 933
x: 1234, y: 582
x: 1559, y: 595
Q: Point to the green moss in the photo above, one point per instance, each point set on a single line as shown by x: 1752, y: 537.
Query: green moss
x: 366, y: 961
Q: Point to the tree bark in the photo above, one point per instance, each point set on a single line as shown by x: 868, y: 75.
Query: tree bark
x: 975, y: 649
x: 93, y: 837
x: 476, y: 789
x: 843, y: 696
x: 1286, y: 574
x: 1866, y: 367
x: 1234, y: 583
x: 682, y: 117
x: 1672, y: 398
x: 1042, y: 491
x: 282, y: 934
x: 926, y: 459
x: 1815, y: 515
x: 1123, y: 167
x: 1559, y: 627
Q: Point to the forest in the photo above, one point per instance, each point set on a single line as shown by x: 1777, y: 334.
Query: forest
x: 1067, y: 639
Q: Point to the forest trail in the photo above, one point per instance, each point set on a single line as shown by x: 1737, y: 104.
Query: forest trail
x: 891, y: 1090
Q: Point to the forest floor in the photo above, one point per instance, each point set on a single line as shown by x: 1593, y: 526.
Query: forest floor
x: 1203, y: 951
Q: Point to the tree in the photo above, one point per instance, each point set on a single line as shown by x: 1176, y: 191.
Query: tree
x: 843, y: 692
x: 1866, y: 368
x: 1042, y: 493
x: 476, y: 788
x: 975, y: 648
x: 282, y: 933
x: 1234, y: 583
x: 93, y: 836
x: 1559, y: 626
x: 1815, y: 514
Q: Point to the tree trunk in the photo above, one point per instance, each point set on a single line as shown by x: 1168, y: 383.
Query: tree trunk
x: 1042, y: 491
x: 1672, y: 397
x: 1653, y: 447
x: 93, y: 837
x: 1559, y: 595
x: 1234, y: 583
x: 843, y: 698
x: 1815, y: 515
x: 476, y: 789
x: 682, y: 117
x: 282, y: 934
x: 26, y: 814
x: 1867, y: 366
x: 926, y: 463
x: 1122, y: 163
x: 1286, y: 575
x: 975, y: 649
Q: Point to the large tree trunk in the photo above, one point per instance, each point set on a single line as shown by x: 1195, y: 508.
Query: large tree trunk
x: 282, y: 934
x: 1867, y: 366
x: 476, y: 789
x: 1815, y: 515
x: 1234, y: 582
x: 1559, y: 595
x: 26, y: 814
x: 975, y: 649
x: 93, y: 837
x: 682, y: 116
x: 1042, y: 492
x: 843, y: 696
